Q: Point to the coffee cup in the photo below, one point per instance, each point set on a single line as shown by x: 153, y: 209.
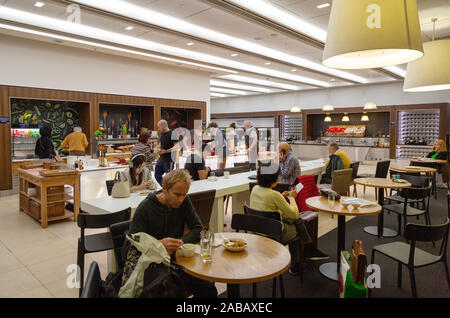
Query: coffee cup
x: 226, y: 174
x: 188, y: 250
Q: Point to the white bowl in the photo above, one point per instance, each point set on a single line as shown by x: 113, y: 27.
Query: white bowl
x: 188, y: 250
x: 232, y: 248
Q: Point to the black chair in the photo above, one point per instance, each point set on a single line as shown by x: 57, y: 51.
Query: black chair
x: 96, y: 242
x: 203, y: 203
x: 93, y: 282
x: 117, y: 231
x: 448, y: 203
x: 403, y: 210
x: 109, y: 186
x: 416, y: 180
x: 354, y: 166
x: 263, y: 226
x: 412, y: 257
x: 380, y: 172
x: 236, y: 170
x: 281, y: 187
x: 428, y: 165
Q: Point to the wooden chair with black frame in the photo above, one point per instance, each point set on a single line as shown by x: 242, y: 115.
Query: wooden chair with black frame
x: 412, y: 257
x: 96, y: 242
x: 263, y: 226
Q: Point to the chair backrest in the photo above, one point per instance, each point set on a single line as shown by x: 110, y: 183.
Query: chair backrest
x: 242, y: 164
x: 427, y: 233
x: 424, y: 164
x: 258, y: 225
x: 271, y: 215
x: 309, y: 190
x: 415, y: 193
x: 416, y: 181
x: 236, y: 170
x: 109, y: 186
x: 281, y: 187
x: 93, y: 284
x: 97, y: 221
x: 354, y: 166
x: 382, y: 169
x: 203, y: 203
x: 117, y: 231
x: 341, y: 181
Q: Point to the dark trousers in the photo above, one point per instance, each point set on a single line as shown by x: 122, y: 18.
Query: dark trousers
x: 198, y: 287
x: 161, y: 168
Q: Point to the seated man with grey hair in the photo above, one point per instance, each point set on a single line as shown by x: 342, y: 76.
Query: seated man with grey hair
x: 76, y: 142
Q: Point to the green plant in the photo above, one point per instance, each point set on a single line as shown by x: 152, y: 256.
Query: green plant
x: 124, y: 129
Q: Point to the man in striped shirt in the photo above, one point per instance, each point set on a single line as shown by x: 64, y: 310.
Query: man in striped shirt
x: 290, y: 167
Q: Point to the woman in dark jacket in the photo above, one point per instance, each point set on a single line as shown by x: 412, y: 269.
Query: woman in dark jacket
x: 439, y: 150
x: 44, y: 145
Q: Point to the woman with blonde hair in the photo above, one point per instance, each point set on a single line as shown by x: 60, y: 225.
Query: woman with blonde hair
x: 439, y: 150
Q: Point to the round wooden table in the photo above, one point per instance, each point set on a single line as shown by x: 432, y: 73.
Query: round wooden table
x: 428, y: 160
x: 321, y: 204
x: 412, y: 169
x: 263, y: 259
x: 381, y: 184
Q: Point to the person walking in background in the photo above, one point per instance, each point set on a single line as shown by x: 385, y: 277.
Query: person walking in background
x: 231, y: 138
x: 75, y: 142
x: 219, y: 144
x: 290, y: 167
x: 166, y: 145
x: 251, y: 143
x: 44, y: 145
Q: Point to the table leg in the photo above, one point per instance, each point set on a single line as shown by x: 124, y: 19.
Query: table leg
x: 217, y: 215
x: 44, y: 213
x: 233, y: 291
x: 331, y: 270
x: 76, y: 198
x: 434, y: 187
x: 380, y: 230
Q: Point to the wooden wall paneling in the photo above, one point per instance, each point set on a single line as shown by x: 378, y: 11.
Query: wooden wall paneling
x: 5, y: 139
x: 443, y: 121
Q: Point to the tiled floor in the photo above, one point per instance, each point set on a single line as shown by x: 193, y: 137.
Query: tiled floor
x: 34, y: 261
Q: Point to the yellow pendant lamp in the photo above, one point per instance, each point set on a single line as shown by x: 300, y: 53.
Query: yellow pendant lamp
x: 432, y: 72
x: 365, y: 117
x: 366, y: 34
x: 327, y: 118
x: 345, y: 118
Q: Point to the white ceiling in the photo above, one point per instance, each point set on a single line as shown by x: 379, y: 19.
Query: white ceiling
x: 200, y: 13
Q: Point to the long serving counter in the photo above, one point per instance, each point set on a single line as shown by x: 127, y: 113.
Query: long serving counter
x: 355, y: 152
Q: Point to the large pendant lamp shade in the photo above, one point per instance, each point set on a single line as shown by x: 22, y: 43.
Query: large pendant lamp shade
x: 431, y: 72
x: 366, y: 34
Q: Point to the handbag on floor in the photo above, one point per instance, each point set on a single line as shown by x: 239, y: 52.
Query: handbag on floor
x: 121, y: 187
x: 352, y: 272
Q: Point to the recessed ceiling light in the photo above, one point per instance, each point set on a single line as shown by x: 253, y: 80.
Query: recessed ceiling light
x: 258, y: 38
x: 190, y: 44
x: 332, y: 80
x: 294, y: 70
x: 324, y: 5
x: 274, y: 34
x: 128, y: 28
x: 267, y: 63
x: 39, y: 4
x: 234, y: 54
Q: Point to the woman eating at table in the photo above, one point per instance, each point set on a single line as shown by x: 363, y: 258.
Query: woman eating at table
x: 139, y: 177
x: 264, y: 198
x: 439, y: 150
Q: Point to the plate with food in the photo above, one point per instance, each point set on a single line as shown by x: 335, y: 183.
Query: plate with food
x: 234, y: 244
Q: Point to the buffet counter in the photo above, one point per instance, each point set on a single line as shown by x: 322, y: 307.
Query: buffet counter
x: 308, y: 151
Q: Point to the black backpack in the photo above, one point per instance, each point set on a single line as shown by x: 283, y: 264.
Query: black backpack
x: 161, y: 281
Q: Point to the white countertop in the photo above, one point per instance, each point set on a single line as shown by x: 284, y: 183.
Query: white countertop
x: 234, y: 184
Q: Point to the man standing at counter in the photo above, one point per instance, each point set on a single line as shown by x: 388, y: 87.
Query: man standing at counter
x: 290, y: 167
x: 76, y: 142
x: 251, y: 143
x: 167, y: 145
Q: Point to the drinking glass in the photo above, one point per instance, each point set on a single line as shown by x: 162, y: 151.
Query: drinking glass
x: 206, y: 242
x: 331, y: 199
